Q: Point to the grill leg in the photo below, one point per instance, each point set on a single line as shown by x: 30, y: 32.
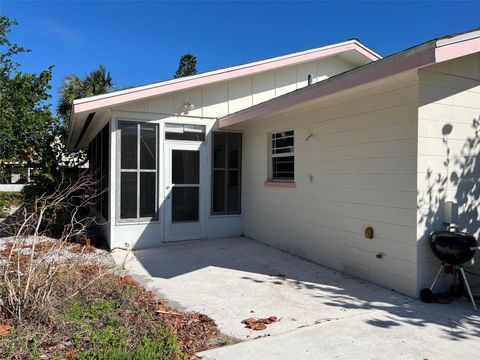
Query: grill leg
x: 467, y: 286
x: 436, y: 277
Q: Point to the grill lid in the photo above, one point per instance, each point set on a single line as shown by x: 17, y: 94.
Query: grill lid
x: 453, y: 247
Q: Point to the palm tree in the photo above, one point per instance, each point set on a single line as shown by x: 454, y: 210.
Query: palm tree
x: 98, y: 82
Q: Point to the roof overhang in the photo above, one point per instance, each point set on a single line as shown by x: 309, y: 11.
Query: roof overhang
x: 432, y: 52
x: 352, y: 50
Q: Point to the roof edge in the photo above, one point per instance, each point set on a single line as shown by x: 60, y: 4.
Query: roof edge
x: 95, y: 103
x: 429, y: 53
x: 136, y: 93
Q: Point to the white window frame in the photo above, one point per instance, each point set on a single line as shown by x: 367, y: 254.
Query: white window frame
x: 272, y: 155
x: 138, y: 171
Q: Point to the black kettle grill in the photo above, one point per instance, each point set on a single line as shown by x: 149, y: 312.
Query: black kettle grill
x: 455, y: 248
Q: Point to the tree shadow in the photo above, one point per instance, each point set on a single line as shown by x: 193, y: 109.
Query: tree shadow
x: 325, y: 294
x: 457, y: 180
x: 456, y: 320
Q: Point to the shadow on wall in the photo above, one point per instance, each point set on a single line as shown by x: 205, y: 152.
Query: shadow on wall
x: 458, y: 180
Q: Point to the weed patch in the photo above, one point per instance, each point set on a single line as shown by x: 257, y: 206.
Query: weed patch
x: 109, y: 318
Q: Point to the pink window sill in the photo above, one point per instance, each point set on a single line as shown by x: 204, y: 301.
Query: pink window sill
x: 280, y: 184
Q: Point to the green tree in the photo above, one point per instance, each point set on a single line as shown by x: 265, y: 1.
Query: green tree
x: 97, y: 82
x: 187, y: 66
x: 25, y: 116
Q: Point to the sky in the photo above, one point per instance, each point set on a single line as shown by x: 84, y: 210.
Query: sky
x: 141, y: 42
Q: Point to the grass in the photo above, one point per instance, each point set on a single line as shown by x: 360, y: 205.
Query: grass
x: 114, y: 339
x: 113, y: 321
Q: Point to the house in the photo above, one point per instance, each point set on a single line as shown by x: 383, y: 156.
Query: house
x: 14, y: 176
x: 303, y: 152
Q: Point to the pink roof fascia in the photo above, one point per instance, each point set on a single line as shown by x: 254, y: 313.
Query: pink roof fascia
x: 109, y: 100
x: 113, y: 99
x: 368, y: 73
x: 345, y: 81
x: 456, y: 50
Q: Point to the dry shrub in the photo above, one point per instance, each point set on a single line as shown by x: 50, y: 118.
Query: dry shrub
x: 61, y: 304
x: 30, y: 282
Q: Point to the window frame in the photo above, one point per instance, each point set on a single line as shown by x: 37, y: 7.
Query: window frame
x: 272, y: 155
x: 138, y: 171
x: 226, y: 169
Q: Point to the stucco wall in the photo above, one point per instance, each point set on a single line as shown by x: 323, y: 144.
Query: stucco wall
x: 355, y: 166
x: 448, y: 153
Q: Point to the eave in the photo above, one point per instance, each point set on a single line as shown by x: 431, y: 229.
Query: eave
x: 426, y: 54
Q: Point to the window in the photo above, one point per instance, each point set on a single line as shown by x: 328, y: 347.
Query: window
x: 282, y: 157
x: 226, y: 175
x: 138, y: 170
x: 184, y: 132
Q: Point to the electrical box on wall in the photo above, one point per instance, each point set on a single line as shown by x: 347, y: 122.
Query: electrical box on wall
x: 369, y: 233
x: 450, y: 213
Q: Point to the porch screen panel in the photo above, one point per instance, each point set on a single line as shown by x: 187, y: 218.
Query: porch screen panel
x: 138, y: 170
x: 98, y: 157
x: 105, y: 135
x: 226, y: 173
x: 128, y: 199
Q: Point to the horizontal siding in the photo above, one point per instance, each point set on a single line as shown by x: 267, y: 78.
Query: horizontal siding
x: 448, y: 153
x: 355, y: 166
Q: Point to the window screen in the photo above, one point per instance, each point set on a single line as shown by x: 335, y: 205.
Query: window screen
x: 226, y: 176
x: 138, y: 170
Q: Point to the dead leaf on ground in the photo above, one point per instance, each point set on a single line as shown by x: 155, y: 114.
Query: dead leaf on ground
x: 127, y: 279
x: 259, y: 324
x: 5, y: 329
x: 71, y: 354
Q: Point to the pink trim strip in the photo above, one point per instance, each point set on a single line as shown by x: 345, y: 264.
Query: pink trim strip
x: 456, y: 50
x: 227, y: 75
x: 369, y: 73
x: 278, y: 184
x: 134, y: 95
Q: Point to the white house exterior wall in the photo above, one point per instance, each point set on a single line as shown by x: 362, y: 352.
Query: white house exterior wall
x: 210, y: 102
x: 355, y: 167
x: 448, y: 153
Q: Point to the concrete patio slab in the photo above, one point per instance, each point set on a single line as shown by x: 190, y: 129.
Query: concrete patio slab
x: 413, y: 331
x: 322, y: 313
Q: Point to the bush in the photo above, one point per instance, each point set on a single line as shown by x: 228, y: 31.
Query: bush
x: 9, y: 200
x: 51, y: 183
